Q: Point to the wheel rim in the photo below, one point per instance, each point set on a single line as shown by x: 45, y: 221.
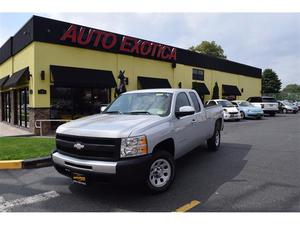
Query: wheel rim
x: 160, y: 173
x: 217, y: 141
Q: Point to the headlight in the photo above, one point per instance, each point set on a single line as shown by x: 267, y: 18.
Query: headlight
x: 134, y: 146
x: 225, y: 110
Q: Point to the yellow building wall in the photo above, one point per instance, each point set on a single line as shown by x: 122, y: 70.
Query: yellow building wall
x: 39, y: 56
x: 17, y: 62
x: 6, y: 68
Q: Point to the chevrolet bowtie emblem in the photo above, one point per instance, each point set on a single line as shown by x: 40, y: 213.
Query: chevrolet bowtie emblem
x: 78, y: 146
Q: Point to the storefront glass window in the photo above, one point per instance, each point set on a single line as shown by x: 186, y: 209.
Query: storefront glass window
x: 73, y: 103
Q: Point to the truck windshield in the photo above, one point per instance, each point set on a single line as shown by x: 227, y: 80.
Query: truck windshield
x: 152, y: 103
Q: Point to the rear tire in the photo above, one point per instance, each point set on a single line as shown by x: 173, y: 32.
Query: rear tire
x: 160, y: 172
x: 213, y: 144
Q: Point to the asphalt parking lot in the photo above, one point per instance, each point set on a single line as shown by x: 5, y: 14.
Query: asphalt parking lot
x: 256, y: 169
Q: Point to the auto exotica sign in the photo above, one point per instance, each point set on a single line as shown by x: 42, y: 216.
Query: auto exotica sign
x: 83, y: 36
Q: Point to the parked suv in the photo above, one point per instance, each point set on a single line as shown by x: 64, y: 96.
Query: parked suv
x: 268, y: 104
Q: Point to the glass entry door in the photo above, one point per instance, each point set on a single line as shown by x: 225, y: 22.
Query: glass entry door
x: 6, y: 107
x: 22, y: 107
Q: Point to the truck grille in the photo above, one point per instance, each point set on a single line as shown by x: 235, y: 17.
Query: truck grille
x: 106, y: 149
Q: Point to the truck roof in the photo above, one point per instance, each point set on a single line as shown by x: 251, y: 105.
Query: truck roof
x: 167, y: 90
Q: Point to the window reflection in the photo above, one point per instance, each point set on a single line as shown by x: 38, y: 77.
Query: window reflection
x: 73, y: 103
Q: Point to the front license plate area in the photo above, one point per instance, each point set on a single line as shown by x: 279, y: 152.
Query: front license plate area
x: 79, y: 178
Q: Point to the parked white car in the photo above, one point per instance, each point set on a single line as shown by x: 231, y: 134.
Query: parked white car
x: 230, y: 111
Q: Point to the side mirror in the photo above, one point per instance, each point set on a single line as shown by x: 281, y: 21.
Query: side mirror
x: 185, y: 111
x: 102, y: 108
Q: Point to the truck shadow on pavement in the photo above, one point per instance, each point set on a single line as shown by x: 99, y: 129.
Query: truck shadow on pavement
x: 198, y: 175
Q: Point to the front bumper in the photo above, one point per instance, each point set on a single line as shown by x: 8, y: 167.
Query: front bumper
x: 124, y: 171
x: 232, y: 116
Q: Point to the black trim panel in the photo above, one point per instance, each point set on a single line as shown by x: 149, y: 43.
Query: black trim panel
x: 17, y: 78
x: 6, y: 50
x: 50, y: 31
x: 200, y: 88
x: 64, y: 76
x: 3, y: 80
x: 150, y: 82
x: 228, y: 90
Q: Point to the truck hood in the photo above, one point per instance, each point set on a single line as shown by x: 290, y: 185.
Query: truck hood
x: 108, y: 125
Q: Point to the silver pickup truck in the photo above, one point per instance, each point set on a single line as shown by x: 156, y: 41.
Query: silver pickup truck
x: 137, y: 137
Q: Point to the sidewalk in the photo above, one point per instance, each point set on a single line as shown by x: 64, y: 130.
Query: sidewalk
x: 7, y: 130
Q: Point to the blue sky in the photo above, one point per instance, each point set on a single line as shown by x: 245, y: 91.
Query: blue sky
x: 265, y: 40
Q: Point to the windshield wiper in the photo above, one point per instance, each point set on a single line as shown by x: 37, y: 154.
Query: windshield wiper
x: 139, y: 112
x: 113, y: 112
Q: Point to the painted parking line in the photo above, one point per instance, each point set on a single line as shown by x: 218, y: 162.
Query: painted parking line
x: 188, y: 206
x: 6, y: 205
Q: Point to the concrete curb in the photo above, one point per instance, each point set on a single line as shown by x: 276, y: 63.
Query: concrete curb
x: 26, y: 164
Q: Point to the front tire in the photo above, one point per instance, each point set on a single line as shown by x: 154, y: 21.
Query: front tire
x: 213, y: 144
x: 243, y: 115
x: 160, y: 173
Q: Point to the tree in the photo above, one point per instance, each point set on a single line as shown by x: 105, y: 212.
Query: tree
x: 270, y: 82
x: 292, y: 88
x: 215, y: 91
x: 209, y: 48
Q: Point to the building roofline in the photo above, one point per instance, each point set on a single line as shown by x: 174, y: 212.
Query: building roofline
x: 185, y: 56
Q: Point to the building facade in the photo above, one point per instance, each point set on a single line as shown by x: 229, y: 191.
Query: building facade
x: 56, y: 70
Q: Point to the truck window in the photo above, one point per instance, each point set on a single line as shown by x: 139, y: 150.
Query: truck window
x: 182, y: 100
x: 195, y: 101
x: 269, y: 100
x: 255, y: 99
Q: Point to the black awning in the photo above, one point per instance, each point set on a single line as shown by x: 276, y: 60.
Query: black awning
x: 17, y: 78
x: 150, y: 82
x: 230, y: 90
x: 64, y: 76
x: 200, y: 88
x: 3, y: 80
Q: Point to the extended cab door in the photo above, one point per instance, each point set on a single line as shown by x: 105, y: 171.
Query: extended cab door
x: 200, y: 124
x: 183, y: 127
